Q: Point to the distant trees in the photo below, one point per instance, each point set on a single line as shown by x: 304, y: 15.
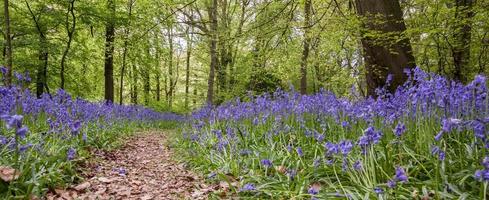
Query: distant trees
x: 178, y: 55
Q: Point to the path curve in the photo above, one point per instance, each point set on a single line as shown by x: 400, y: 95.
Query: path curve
x: 142, y: 169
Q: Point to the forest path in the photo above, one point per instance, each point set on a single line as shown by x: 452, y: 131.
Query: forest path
x: 142, y: 169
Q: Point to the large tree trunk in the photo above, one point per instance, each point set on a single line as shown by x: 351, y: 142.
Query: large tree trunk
x: 109, y: 53
x: 213, y: 51
x: 462, y: 36
x: 70, y: 30
x: 384, y: 58
x: 8, y: 45
x: 124, y: 53
x: 307, y: 41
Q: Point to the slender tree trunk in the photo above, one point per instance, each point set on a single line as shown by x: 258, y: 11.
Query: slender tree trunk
x: 158, y: 69
x: 382, y: 59
x: 213, y: 52
x: 307, y: 41
x: 109, y: 53
x: 42, y: 67
x: 170, y: 68
x: 134, y: 96
x: 124, y: 53
x: 70, y: 30
x: 187, y: 69
x: 462, y: 36
x: 8, y: 45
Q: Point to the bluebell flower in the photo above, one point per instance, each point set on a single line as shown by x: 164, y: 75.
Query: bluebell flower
x: 345, y: 147
x: 391, y: 184
x: 401, y: 175
x: 439, y: 135
x: 23, y: 148
x: 71, y: 153
x: 267, y: 163
x: 299, y: 151
x: 357, y: 165
x: 314, y: 189
x: 22, y: 132
x: 378, y: 190
x: 248, y: 187
x: 291, y: 173
x: 14, y: 121
x: 400, y: 129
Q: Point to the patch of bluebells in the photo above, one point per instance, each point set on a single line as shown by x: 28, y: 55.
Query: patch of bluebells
x: 329, y: 127
x: 29, y: 123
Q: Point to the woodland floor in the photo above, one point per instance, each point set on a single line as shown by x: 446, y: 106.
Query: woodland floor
x: 141, y: 169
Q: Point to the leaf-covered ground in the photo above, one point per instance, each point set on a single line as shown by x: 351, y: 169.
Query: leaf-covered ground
x: 142, y: 169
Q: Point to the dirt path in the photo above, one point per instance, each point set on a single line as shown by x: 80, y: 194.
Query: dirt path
x: 141, y: 169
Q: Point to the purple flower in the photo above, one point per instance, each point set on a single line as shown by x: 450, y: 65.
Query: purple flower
x: 22, y: 132
x: 357, y: 165
x: 400, y: 129
x: 4, y: 70
x: 401, y: 175
x: 378, y: 190
x: 345, y: 147
x: 14, y: 121
x: 299, y: 151
x: 391, y: 184
x: 291, y: 173
x: 248, y: 187
x: 71, y: 153
x: 267, y: 163
x: 345, y: 124
x: 314, y: 189
x: 439, y: 135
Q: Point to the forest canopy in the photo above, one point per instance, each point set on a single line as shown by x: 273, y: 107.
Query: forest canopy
x: 181, y: 54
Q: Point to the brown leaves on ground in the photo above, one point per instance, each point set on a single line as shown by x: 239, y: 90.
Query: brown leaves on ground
x: 9, y: 174
x: 143, y: 169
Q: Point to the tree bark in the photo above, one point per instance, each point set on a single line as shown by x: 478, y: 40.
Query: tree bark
x: 213, y: 52
x: 70, y: 30
x: 109, y: 53
x: 8, y: 45
x: 42, y: 67
x: 305, y: 51
x: 462, y: 35
x: 124, y: 52
x: 170, y: 68
x: 187, y: 68
x: 134, y: 86
x: 384, y: 58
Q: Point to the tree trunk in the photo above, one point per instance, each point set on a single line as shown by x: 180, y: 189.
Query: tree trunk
x: 187, y: 69
x: 462, y: 36
x: 8, y: 45
x: 134, y: 87
x: 124, y: 52
x: 170, y: 68
x: 382, y: 59
x: 70, y: 31
x: 109, y: 53
x: 213, y: 52
x: 42, y: 67
x: 307, y: 41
